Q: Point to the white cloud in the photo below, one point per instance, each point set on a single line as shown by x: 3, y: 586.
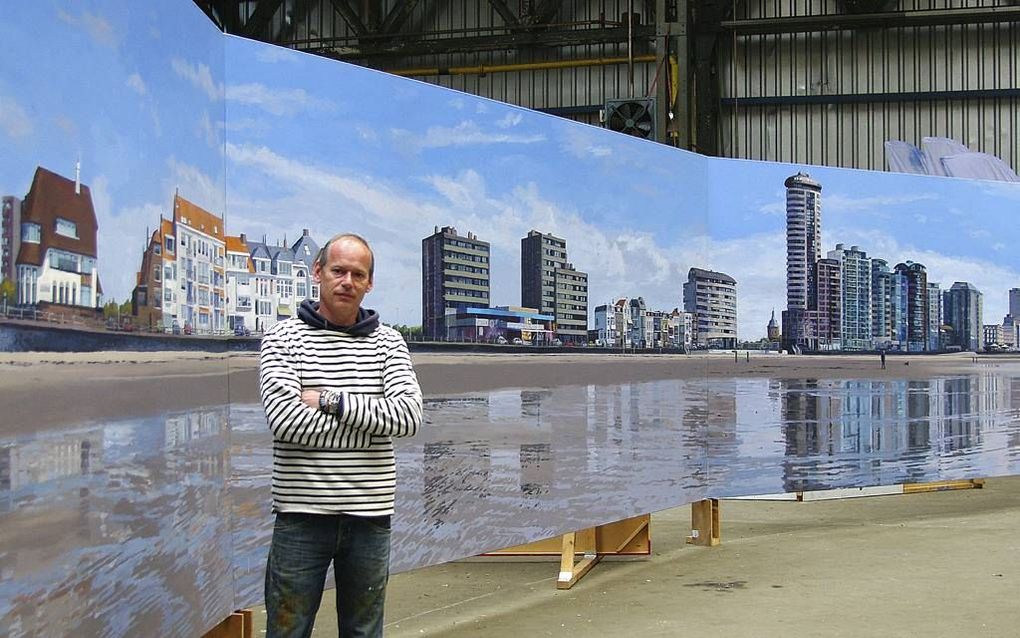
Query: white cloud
x: 509, y: 120
x: 209, y: 131
x: 136, y: 84
x: 584, y: 144
x: 195, y: 186
x: 840, y: 203
x: 467, y: 133
x: 199, y: 75
x: 13, y: 119
x: 97, y: 27
x: 276, y: 101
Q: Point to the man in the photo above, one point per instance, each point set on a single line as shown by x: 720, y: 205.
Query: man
x: 336, y: 386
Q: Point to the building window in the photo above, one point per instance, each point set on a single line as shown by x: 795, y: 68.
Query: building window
x: 31, y: 233
x: 169, y: 242
x: 67, y: 228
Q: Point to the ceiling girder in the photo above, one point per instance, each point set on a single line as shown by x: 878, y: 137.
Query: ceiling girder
x: 887, y: 19
x: 259, y: 20
x: 509, y: 18
x: 350, y: 16
x: 366, y: 48
x: 397, y: 16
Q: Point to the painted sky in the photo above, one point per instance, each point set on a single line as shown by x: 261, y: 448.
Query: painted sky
x: 155, y: 99
x: 115, y: 87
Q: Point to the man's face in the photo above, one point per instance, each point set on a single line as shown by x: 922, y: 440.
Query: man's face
x: 344, y: 281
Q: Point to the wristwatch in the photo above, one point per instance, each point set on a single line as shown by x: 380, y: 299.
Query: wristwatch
x: 331, y: 402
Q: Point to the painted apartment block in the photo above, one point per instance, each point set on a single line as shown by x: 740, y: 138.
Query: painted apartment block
x: 712, y: 298
x: 682, y: 329
x: 855, y: 322
x: 305, y: 251
x: 628, y: 323
x: 803, y: 250
x: 182, y: 281
x: 10, y: 237
x: 240, y: 290
x: 550, y: 283
x: 962, y: 308
x: 994, y: 334
x: 916, y: 316
x: 934, y: 316
x: 455, y: 277
x: 612, y: 324
x: 637, y: 336
x: 50, y: 243
x: 828, y: 317
x: 888, y: 306
x: 156, y: 281
x: 280, y: 279
x: 571, y: 305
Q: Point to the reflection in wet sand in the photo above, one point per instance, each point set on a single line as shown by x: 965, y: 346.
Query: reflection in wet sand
x: 160, y: 525
x: 116, y: 529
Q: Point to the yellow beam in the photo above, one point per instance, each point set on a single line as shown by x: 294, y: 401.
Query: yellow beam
x: 483, y: 69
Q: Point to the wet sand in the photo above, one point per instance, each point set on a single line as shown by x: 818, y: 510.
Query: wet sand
x: 43, y: 390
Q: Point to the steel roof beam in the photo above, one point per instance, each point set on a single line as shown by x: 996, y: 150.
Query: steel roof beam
x: 890, y: 19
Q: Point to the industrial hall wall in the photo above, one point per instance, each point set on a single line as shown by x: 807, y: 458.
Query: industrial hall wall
x: 834, y: 96
x: 166, y: 188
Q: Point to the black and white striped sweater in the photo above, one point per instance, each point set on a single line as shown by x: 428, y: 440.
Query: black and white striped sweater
x: 328, y: 464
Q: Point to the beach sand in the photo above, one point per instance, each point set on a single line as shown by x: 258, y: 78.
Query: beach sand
x: 43, y: 390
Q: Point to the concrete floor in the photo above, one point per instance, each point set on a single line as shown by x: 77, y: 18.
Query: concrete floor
x: 935, y: 564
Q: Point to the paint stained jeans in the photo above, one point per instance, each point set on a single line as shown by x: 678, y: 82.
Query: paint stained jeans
x: 302, y: 548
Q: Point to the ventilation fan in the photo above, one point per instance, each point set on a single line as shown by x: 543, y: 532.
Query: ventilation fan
x: 634, y: 117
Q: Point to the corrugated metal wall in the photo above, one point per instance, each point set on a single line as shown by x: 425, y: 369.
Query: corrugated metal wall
x: 542, y: 89
x: 828, y: 98
x: 863, y: 83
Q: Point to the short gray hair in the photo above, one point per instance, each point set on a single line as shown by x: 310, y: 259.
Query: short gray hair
x: 320, y: 257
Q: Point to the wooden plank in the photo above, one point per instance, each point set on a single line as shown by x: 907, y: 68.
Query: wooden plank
x: 705, y: 524
x: 236, y: 625
x: 939, y: 486
x: 630, y: 536
x: 570, y: 572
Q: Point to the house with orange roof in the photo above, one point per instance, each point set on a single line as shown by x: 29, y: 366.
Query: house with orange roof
x: 240, y: 285
x: 182, y: 282
x: 51, y: 237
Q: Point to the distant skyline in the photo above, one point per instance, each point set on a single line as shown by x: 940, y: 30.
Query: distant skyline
x: 156, y: 99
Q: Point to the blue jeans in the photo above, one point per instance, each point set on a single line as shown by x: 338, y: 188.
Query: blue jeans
x: 302, y: 548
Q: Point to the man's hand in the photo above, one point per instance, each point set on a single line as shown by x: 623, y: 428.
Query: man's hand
x: 310, y: 398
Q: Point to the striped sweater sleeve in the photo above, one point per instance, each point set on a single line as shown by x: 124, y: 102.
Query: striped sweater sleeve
x: 399, y: 411
x: 291, y: 420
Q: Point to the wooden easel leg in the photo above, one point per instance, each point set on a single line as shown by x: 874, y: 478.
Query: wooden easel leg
x: 236, y: 625
x: 571, y: 572
x: 705, y: 526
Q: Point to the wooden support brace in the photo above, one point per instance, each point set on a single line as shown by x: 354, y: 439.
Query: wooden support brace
x: 236, y: 625
x: 705, y: 526
x: 629, y: 537
x: 575, y: 542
